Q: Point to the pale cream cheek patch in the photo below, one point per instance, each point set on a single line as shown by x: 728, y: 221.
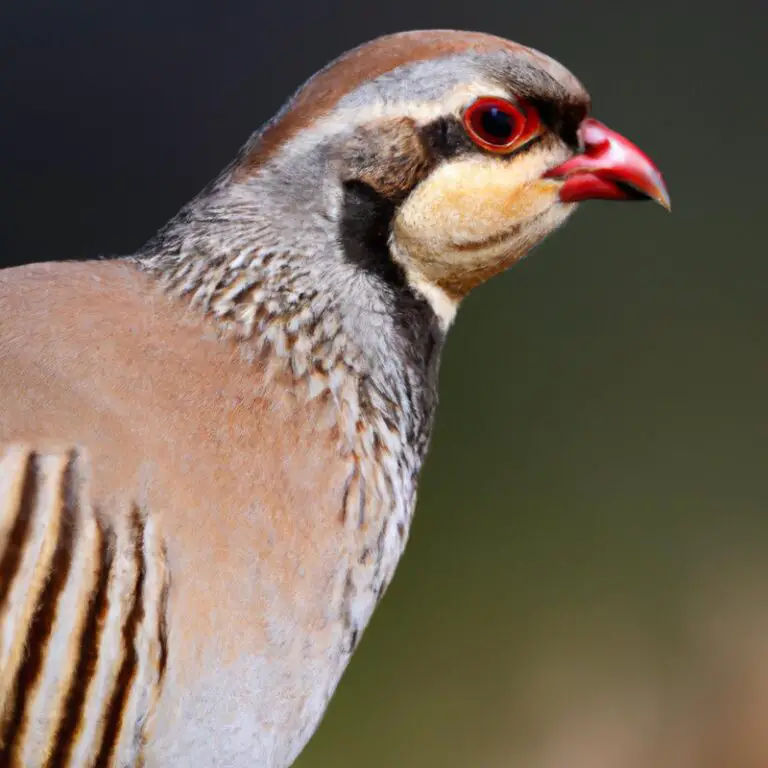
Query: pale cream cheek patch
x: 478, y: 211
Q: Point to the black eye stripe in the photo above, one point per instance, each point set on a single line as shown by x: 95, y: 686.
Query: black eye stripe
x: 446, y: 137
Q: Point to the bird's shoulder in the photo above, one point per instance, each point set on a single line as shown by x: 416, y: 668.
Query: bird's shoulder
x: 94, y: 354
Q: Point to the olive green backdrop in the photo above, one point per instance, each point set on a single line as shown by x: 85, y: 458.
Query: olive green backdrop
x: 586, y: 583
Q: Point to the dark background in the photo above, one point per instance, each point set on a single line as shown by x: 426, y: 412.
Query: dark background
x: 586, y: 583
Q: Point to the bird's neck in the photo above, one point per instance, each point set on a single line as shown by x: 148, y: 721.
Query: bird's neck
x: 289, y: 292
x: 340, y: 330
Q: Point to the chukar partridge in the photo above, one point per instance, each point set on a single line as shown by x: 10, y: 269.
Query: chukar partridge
x: 209, y: 450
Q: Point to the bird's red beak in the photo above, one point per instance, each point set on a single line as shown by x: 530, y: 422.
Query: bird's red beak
x: 609, y: 168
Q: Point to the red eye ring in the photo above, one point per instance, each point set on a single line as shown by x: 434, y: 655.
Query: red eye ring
x: 498, y: 125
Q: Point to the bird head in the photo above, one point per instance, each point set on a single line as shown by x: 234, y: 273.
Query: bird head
x: 439, y: 159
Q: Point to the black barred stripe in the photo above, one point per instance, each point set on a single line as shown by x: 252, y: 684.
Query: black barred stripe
x: 88, y: 653
x: 12, y: 556
x: 128, y: 668
x: 40, y: 630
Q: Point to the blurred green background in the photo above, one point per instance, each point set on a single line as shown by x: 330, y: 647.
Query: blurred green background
x: 586, y: 583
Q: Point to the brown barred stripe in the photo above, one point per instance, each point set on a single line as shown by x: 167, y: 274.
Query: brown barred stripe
x: 154, y: 648
x: 40, y: 630
x: 83, y: 612
x: 162, y: 620
x: 88, y: 655
x: 40, y: 502
x: 17, y: 472
x: 111, y: 649
x: 44, y: 705
x: 128, y: 669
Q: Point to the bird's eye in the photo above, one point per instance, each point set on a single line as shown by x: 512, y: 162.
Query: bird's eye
x: 498, y: 125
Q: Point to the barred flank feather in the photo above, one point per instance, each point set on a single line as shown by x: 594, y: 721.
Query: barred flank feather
x: 81, y: 617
